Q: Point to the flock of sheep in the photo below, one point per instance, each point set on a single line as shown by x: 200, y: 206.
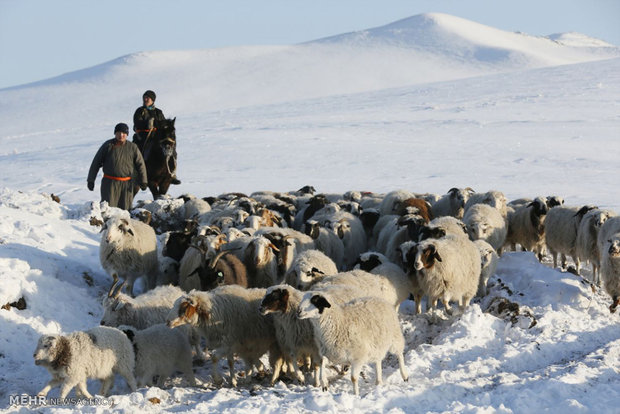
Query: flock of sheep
x: 307, y: 279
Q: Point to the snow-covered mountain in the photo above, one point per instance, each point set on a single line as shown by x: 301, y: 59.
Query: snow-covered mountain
x: 425, y: 104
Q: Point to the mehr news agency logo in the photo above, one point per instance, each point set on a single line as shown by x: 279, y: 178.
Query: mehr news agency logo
x: 38, y: 400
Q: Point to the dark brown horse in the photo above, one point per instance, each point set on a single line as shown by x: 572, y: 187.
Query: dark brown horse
x: 157, y: 152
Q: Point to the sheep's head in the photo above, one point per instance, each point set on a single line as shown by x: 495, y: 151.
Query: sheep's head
x: 553, y: 201
x: 459, y: 196
x: 312, y: 229
x: 116, y: 229
x: 304, y: 278
x: 312, y: 305
x: 189, y: 310
x: 478, y: 230
x: 117, y: 307
x: 368, y: 261
x: 275, y: 300
x: 52, y: 351
x: 426, y: 232
x: 614, y: 246
x: 426, y: 256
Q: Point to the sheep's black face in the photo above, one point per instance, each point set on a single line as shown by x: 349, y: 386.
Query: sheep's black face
x: 369, y: 263
x: 274, y: 301
x: 320, y: 303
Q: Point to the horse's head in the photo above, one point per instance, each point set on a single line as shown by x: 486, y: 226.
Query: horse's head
x: 167, y: 136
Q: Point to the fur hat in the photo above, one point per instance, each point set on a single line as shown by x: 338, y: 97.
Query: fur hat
x: 122, y: 128
x: 150, y: 94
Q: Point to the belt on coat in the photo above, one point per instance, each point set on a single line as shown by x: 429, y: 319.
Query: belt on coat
x: 111, y: 177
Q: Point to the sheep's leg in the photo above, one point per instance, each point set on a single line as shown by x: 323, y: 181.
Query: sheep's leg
x: 464, y: 303
x: 324, y: 382
x: 563, y: 261
x: 231, y: 368
x: 446, y: 304
x: 317, y: 372
x: 53, y: 383
x: 216, y: 355
x: 555, y: 258
x: 418, y: 304
x: 127, y: 374
x: 106, y: 383
x: 355, y: 373
x: 277, y: 369
x: 66, y: 388
x: 379, y: 379
x: 188, y: 371
x: 402, y: 367
x: 82, y: 389
x: 577, y: 264
x: 300, y: 376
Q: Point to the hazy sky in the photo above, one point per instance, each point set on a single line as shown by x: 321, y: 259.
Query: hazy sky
x: 40, y: 39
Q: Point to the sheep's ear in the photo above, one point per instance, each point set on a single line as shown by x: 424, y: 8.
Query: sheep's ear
x: 320, y: 302
x: 435, y: 253
x: 130, y: 231
x: 316, y: 271
x: 130, y: 334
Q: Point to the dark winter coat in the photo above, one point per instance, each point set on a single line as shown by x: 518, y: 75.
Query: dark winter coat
x: 120, y: 161
x: 142, y: 121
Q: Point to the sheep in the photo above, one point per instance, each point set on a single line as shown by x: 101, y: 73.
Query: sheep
x: 97, y: 353
x: 128, y: 250
x: 439, y: 227
x: 202, y: 247
x: 289, y: 243
x: 326, y: 241
x: 393, y: 287
x: 295, y: 336
x: 350, y: 230
x: 488, y: 263
x: 452, y: 203
x: 486, y: 223
x: 493, y: 198
x: 526, y: 226
x: 361, y: 331
x: 550, y: 201
x: 194, y: 207
x: 407, y: 225
x: 229, y: 319
x: 307, y: 265
x: 416, y: 205
x: 448, y: 268
x: 392, y: 200
x: 160, y: 351
x: 143, y: 311
x: 224, y: 269
x: 561, y: 227
x: 178, y: 241
x: 407, y: 251
x: 609, y: 248
x: 586, y: 244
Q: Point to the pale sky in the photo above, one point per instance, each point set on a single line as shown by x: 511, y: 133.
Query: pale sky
x: 40, y: 39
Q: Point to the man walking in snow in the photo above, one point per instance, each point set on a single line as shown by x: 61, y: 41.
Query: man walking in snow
x: 120, y: 160
x: 144, y: 120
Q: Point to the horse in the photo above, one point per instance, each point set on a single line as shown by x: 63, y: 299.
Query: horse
x: 157, y: 150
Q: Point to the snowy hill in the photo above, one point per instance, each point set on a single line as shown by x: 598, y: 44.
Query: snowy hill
x: 425, y: 104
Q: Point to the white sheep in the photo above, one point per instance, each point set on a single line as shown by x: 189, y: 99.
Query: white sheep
x: 229, y: 318
x: 486, y: 223
x: 452, y: 203
x: 143, y: 311
x: 586, y: 245
x: 526, y: 226
x: 493, y: 198
x: 295, y: 336
x: 561, y: 226
x: 128, y: 250
x: 440, y: 226
x: 98, y: 353
x: 488, y: 263
x: 448, y: 269
x: 393, y: 287
x: 609, y: 248
x: 350, y: 230
x: 160, y: 351
x: 326, y: 241
x: 392, y: 199
x: 307, y: 265
x: 357, y: 333
x: 194, y: 207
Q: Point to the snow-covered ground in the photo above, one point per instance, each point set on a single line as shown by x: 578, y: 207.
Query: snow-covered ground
x: 425, y: 104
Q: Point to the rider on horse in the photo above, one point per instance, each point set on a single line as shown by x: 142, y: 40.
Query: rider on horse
x: 145, y: 120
